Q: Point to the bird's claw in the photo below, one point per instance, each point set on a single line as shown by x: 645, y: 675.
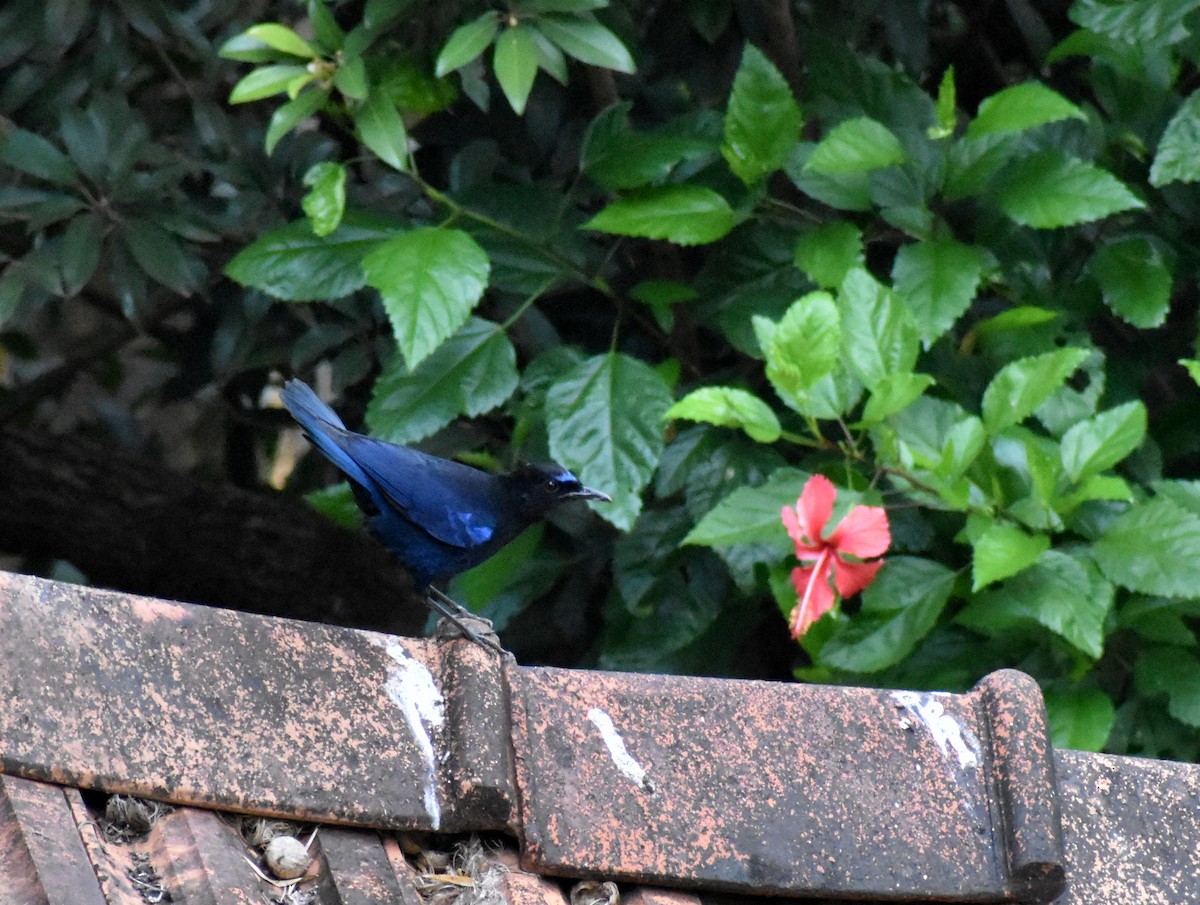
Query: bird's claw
x: 453, y: 612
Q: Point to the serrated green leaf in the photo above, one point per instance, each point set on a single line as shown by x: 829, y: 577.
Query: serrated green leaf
x: 382, y: 130
x: 430, y: 279
x: 729, y: 407
x: 1148, y: 23
x: 264, y: 82
x: 973, y: 162
x: 325, y: 202
x: 618, y: 158
x: 1080, y: 719
x: 469, y: 374
x: 962, y: 444
x: 515, y: 62
x: 1153, y: 548
x: 158, y: 253
x: 1099, y: 443
x: 804, y: 346
x: 604, y: 423
x: 79, y: 254
x: 1135, y: 279
x: 30, y: 153
x: 1174, y: 672
x: 1002, y: 551
x: 894, y: 393
x: 856, y: 145
x: 466, y: 43
x: 828, y: 252
x: 878, y: 336
x: 587, y: 41
x: 1048, y: 190
x: 1058, y: 592
x: 1177, y: 158
x: 292, y: 113
x: 762, y: 121
x: 1021, y: 107
x: 751, y: 515
x: 899, y: 608
x: 1022, y: 385
x: 293, y: 264
x: 937, y: 279
x: 281, y: 38
x: 683, y: 214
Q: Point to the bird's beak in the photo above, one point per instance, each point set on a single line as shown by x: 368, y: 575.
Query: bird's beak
x: 586, y: 493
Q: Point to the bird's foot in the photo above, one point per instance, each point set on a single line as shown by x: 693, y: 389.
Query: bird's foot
x: 457, y: 615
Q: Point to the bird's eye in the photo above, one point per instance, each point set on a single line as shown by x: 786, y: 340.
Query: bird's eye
x: 552, y: 483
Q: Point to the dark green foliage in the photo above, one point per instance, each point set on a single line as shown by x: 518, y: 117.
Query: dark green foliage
x: 696, y: 263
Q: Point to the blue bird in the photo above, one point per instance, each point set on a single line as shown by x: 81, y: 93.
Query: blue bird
x: 436, y: 516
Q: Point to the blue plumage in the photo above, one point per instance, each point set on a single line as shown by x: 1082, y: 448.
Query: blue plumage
x: 436, y: 516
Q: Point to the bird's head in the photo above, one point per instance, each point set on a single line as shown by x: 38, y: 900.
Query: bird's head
x: 542, y: 487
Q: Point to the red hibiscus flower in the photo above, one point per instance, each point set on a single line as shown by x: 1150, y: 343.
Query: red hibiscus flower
x: 861, y: 535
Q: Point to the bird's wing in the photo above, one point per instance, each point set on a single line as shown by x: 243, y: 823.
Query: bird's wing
x: 454, y: 503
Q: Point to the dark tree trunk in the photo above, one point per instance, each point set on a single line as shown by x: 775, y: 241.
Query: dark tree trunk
x: 132, y: 525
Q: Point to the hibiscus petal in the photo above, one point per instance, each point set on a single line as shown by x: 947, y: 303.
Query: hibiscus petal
x: 816, y: 596
x: 815, y: 506
x: 864, y: 533
x: 852, y: 577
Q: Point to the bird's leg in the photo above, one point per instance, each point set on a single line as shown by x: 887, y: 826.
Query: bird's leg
x: 452, y: 610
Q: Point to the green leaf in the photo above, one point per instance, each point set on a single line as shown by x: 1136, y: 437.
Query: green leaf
x: 325, y: 203
x: 1193, y: 368
x: 894, y: 393
x: 878, y: 336
x: 292, y: 264
x: 587, y: 41
x: 604, y: 419
x: 32, y: 154
x: 515, y: 61
x: 683, y: 214
x: 290, y: 114
x: 337, y: 504
x: 1002, y: 551
x: 762, y: 121
x: 281, y: 38
x: 550, y: 58
x: 1173, y: 672
x: 1058, y: 592
x: 351, y: 79
x: 1048, y: 190
x: 1092, y: 446
x: 264, y: 82
x: 972, y: 164
x: 247, y: 50
x: 1148, y: 23
x: 804, y: 346
x: 430, y: 279
x: 938, y: 279
x: 382, y: 130
x: 1022, y: 385
x: 1021, y: 107
x: 79, y: 255
x: 946, y: 108
x: 1135, y: 279
x: 856, y: 145
x: 618, y: 158
x: 898, y: 609
x: 158, y: 253
x: 325, y: 27
x: 469, y: 374
x: 467, y: 42
x: 1178, y: 156
x: 828, y: 252
x: 729, y: 407
x: 1079, y: 718
x: 751, y: 515
x: 1153, y: 548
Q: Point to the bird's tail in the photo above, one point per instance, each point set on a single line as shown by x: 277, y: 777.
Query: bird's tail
x: 322, y: 426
